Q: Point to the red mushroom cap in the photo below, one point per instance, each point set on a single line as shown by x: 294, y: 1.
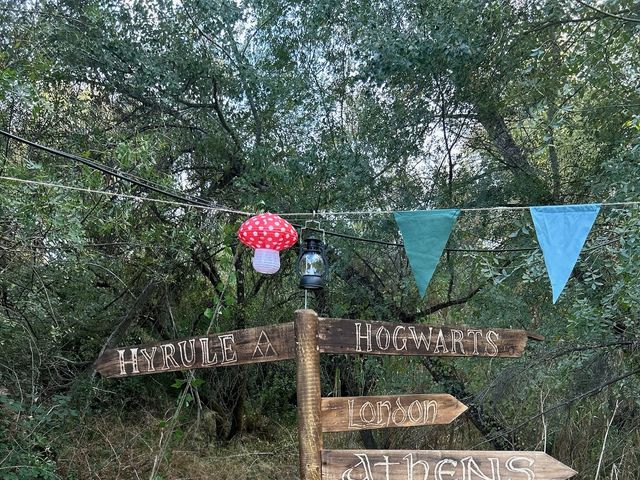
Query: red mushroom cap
x: 268, y: 230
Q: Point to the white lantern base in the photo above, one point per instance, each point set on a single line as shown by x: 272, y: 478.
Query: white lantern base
x: 266, y: 261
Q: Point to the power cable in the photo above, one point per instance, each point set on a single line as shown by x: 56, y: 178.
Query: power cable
x: 401, y: 245
x: 300, y: 227
x: 155, y: 187
x: 192, y: 201
x: 198, y: 201
x: 113, y: 194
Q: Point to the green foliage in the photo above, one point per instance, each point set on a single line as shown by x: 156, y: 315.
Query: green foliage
x: 280, y: 106
x: 25, y: 445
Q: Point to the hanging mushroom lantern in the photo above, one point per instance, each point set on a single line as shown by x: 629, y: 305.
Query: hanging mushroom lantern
x: 268, y: 234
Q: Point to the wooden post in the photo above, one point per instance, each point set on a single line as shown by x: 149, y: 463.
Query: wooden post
x: 309, y: 395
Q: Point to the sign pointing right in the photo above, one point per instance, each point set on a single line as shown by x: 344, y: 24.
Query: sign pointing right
x: 344, y: 414
x: 441, y: 465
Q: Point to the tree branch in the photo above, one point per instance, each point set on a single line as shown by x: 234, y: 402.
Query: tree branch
x: 607, y: 14
x: 577, y: 398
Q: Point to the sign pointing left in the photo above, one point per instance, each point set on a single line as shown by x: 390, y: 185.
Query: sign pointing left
x: 250, y: 345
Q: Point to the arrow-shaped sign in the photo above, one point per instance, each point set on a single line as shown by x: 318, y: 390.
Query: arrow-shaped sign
x: 440, y: 465
x: 337, y: 335
x: 276, y: 342
x: 251, y: 345
x: 344, y: 414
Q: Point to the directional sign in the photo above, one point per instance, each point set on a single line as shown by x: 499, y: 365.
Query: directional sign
x: 251, y: 345
x: 385, y: 338
x: 344, y: 414
x: 440, y: 465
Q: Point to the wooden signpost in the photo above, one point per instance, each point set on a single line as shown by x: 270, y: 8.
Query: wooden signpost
x: 344, y: 414
x: 386, y: 338
x: 440, y: 465
x: 251, y: 345
x: 308, y: 336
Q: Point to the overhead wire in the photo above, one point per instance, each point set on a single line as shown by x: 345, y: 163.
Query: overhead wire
x: 199, y: 201
x: 113, y: 194
x: 328, y: 213
x: 187, y: 200
x: 223, y: 209
x: 142, y: 182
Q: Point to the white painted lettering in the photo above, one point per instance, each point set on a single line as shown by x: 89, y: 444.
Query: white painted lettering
x: 386, y: 464
x: 400, y: 410
x: 411, y: 466
x: 470, y: 467
x: 396, y: 333
x: 387, y: 405
x: 366, y: 466
x: 182, y: 347
x: 227, y: 343
x: 168, y: 351
x: 352, y: 424
x: 418, y: 340
x: 491, y: 344
x: 383, y: 345
x: 417, y: 419
x: 430, y: 405
x: 149, y: 358
x: 206, y: 353
x: 439, y: 470
x: 456, y: 339
x: 363, y: 408
x: 440, y: 343
x: 133, y: 362
x: 476, y: 334
x: 359, y: 337
x: 512, y: 468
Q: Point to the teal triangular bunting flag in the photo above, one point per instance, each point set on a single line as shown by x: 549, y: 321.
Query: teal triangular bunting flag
x: 562, y: 231
x: 425, y: 234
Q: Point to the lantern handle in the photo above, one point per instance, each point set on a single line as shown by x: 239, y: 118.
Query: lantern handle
x: 319, y: 229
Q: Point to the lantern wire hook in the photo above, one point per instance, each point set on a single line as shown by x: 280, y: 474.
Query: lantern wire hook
x: 317, y: 228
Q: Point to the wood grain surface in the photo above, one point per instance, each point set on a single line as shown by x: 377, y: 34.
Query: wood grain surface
x: 309, y: 395
x: 344, y: 414
x: 251, y: 345
x: 338, y: 335
x: 441, y: 465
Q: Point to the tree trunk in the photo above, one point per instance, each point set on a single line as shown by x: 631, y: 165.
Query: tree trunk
x: 501, y: 138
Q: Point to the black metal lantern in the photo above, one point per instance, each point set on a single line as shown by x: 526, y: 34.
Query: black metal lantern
x: 312, y: 264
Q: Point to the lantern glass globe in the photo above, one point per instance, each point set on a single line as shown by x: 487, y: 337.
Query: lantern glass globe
x: 266, y: 261
x: 312, y: 263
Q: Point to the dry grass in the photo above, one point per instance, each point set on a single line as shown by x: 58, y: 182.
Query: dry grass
x: 110, y: 448
x: 117, y: 447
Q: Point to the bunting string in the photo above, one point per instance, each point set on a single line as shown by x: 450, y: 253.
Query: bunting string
x: 321, y: 213
x: 561, y: 230
x: 327, y: 213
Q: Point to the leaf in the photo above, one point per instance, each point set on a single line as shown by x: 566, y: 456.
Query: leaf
x: 196, y: 382
x: 178, y: 383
